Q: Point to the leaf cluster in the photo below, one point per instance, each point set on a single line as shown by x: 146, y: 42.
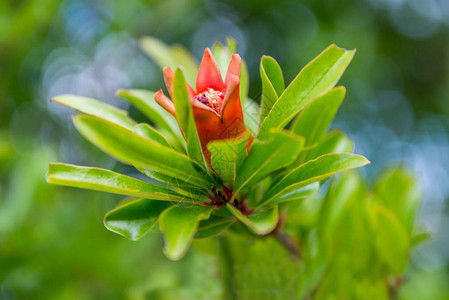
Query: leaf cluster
x: 285, y: 157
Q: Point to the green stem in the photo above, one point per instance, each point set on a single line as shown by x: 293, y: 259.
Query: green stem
x: 227, y: 269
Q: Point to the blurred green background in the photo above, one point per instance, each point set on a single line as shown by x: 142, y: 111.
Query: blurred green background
x: 53, y: 244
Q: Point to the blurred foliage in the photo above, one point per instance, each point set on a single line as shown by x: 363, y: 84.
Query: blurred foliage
x: 59, y: 249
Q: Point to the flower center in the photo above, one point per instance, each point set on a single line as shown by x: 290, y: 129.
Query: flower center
x: 211, y: 98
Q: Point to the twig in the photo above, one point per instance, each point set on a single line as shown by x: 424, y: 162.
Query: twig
x: 289, y: 244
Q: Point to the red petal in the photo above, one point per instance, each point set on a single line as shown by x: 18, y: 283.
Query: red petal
x: 234, y: 68
x: 231, y: 93
x: 163, y: 101
x: 168, y: 78
x: 231, y: 111
x: 209, y: 74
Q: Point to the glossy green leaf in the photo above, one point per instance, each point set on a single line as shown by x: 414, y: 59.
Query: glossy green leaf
x: 108, y: 181
x: 312, y: 171
x: 133, y: 149
x: 272, y: 84
x: 134, y: 217
x: 320, y: 75
x: 178, y: 225
x: 391, y: 240
x: 268, y: 156
x: 260, y: 223
x: 213, y: 226
x: 313, y: 122
x: 172, y: 56
x: 175, y: 183
x: 144, y: 101
x: 301, y: 193
x: 335, y: 142
x: 150, y: 133
x: 186, y: 121
x: 227, y: 156
x: 96, y: 108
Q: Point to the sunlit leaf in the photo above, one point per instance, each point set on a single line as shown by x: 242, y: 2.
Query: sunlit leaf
x: 186, y: 121
x: 312, y: 171
x: 320, y: 75
x: 272, y: 84
x: 144, y: 101
x: 149, y: 132
x: 108, y: 181
x: 301, y: 193
x: 314, y: 120
x: 133, y: 149
x: 268, y: 156
x: 96, y: 108
x: 335, y: 142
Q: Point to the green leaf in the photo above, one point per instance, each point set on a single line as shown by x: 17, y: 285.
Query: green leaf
x: 108, y: 181
x: 251, y: 112
x: 339, y: 194
x: 301, y: 193
x: 96, y: 108
x: 213, y: 226
x: 334, y: 142
x: 398, y: 190
x: 150, y: 133
x: 312, y: 171
x: 268, y: 156
x: 260, y: 223
x: 178, y: 225
x: 244, y: 83
x: 272, y: 84
x: 134, y: 217
x: 391, y: 240
x: 320, y: 75
x: 144, y: 101
x: 227, y: 156
x: 313, y: 122
x: 172, y: 56
x: 186, y: 121
x: 133, y: 149
x: 175, y: 183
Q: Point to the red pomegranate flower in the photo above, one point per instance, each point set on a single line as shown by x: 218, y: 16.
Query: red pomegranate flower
x: 216, y: 104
